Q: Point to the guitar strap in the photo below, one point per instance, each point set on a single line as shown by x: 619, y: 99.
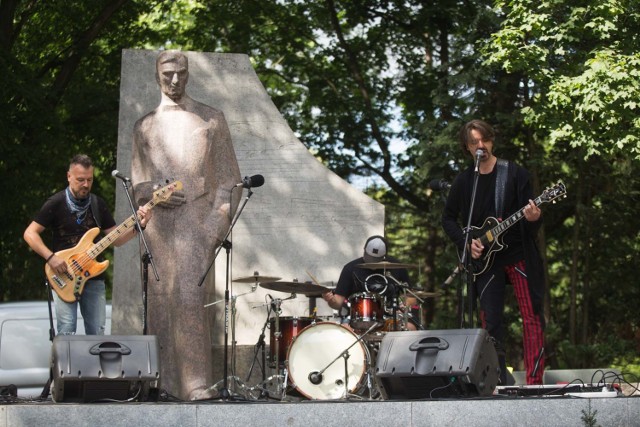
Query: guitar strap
x: 501, y: 185
x: 95, y: 211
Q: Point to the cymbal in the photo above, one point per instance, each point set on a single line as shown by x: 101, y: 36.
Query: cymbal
x: 256, y: 279
x: 308, y: 289
x: 385, y: 265
x: 421, y: 294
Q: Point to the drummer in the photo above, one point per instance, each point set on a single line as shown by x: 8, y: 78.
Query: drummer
x: 355, y: 279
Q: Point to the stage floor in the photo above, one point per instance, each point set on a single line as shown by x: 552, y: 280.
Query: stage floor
x: 497, y: 410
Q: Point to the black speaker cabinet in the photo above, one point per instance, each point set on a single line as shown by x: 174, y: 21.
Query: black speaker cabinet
x: 88, y: 368
x: 440, y: 363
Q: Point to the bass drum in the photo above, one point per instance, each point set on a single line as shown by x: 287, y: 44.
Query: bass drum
x: 320, y: 346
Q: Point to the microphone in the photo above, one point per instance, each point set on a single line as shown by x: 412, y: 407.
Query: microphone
x: 451, y: 277
x: 439, y: 184
x: 116, y: 174
x: 251, y: 182
x: 315, y: 377
x: 478, y: 155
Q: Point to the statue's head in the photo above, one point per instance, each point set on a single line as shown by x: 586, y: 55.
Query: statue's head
x: 172, y: 73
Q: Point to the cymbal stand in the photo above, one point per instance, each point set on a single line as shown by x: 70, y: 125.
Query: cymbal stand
x: 281, y: 386
x: 261, y: 346
x: 233, y: 299
x: 394, y: 299
x: 281, y: 380
x: 407, y: 309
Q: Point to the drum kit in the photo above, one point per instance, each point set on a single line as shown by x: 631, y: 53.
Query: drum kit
x: 317, y: 358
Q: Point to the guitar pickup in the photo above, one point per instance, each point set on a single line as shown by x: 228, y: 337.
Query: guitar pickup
x: 61, y: 283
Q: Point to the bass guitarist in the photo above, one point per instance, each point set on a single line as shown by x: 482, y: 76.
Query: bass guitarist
x: 503, y: 188
x: 69, y: 214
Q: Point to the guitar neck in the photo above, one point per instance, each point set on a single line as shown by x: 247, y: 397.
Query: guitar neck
x: 504, y: 225
x: 108, y: 240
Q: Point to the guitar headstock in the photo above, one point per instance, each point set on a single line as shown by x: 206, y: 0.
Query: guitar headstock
x: 550, y: 194
x: 163, y: 194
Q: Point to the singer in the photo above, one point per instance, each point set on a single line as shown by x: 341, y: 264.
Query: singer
x: 187, y: 140
x: 503, y: 188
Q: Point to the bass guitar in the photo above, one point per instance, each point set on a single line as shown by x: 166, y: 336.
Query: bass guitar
x: 81, y: 259
x: 492, y: 230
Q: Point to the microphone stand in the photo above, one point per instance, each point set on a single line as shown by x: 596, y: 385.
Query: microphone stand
x: 466, y: 259
x: 147, y: 258
x: 226, y: 244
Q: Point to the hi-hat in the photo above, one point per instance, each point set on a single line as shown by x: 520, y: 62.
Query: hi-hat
x: 308, y: 289
x: 385, y: 265
x: 256, y: 279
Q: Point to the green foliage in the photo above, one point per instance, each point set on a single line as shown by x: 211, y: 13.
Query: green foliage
x: 583, y: 71
x: 589, y: 417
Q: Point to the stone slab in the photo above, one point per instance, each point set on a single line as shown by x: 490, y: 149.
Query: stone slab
x: 494, y: 411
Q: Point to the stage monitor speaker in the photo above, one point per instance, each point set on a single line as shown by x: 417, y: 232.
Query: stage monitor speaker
x: 439, y: 363
x: 89, y: 368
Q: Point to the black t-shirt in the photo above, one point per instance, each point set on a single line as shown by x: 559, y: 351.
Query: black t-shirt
x: 353, y: 278
x: 56, y: 216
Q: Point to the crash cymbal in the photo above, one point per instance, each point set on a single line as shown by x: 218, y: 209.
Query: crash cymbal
x: 385, y: 265
x: 256, y: 279
x: 306, y: 288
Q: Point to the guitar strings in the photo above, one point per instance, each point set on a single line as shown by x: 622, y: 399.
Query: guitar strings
x: 78, y: 265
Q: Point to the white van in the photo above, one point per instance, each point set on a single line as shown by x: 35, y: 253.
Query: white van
x: 25, y: 346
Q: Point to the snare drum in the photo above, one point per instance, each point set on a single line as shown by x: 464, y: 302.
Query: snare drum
x: 366, y: 311
x: 290, y: 327
x: 320, y: 347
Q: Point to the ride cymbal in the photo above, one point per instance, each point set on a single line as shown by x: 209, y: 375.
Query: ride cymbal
x: 256, y: 279
x: 308, y: 289
x: 385, y: 265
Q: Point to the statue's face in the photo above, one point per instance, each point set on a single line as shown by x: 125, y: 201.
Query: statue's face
x: 173, y: 77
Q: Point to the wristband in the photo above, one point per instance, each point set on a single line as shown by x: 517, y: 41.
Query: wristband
x: 50, y: 256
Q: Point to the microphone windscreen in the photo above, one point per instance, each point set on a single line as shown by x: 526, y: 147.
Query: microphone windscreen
x: 257, y: 181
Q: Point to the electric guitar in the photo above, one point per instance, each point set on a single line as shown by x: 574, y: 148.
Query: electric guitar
x: 81, y: 259
x: 491, y: 232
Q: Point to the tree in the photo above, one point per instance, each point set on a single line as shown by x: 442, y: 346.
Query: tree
x: 581, y: 62
x: 62, y: 98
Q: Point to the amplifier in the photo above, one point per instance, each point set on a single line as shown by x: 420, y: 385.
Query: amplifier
x: 88, y: 368
x: 439, y: 363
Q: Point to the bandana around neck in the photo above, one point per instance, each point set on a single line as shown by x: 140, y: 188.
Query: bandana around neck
x: 79, y: 207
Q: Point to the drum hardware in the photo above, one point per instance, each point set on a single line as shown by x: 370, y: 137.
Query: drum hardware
x: 236, y: 381
x: 274, y: 347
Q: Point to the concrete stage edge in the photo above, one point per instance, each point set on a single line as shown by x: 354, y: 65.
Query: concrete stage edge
x: 492, y: 411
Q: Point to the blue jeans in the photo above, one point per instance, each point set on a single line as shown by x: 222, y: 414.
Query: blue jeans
x: 93, y: 306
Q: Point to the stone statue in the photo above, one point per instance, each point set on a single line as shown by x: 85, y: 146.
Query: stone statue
x: 183, y: 139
